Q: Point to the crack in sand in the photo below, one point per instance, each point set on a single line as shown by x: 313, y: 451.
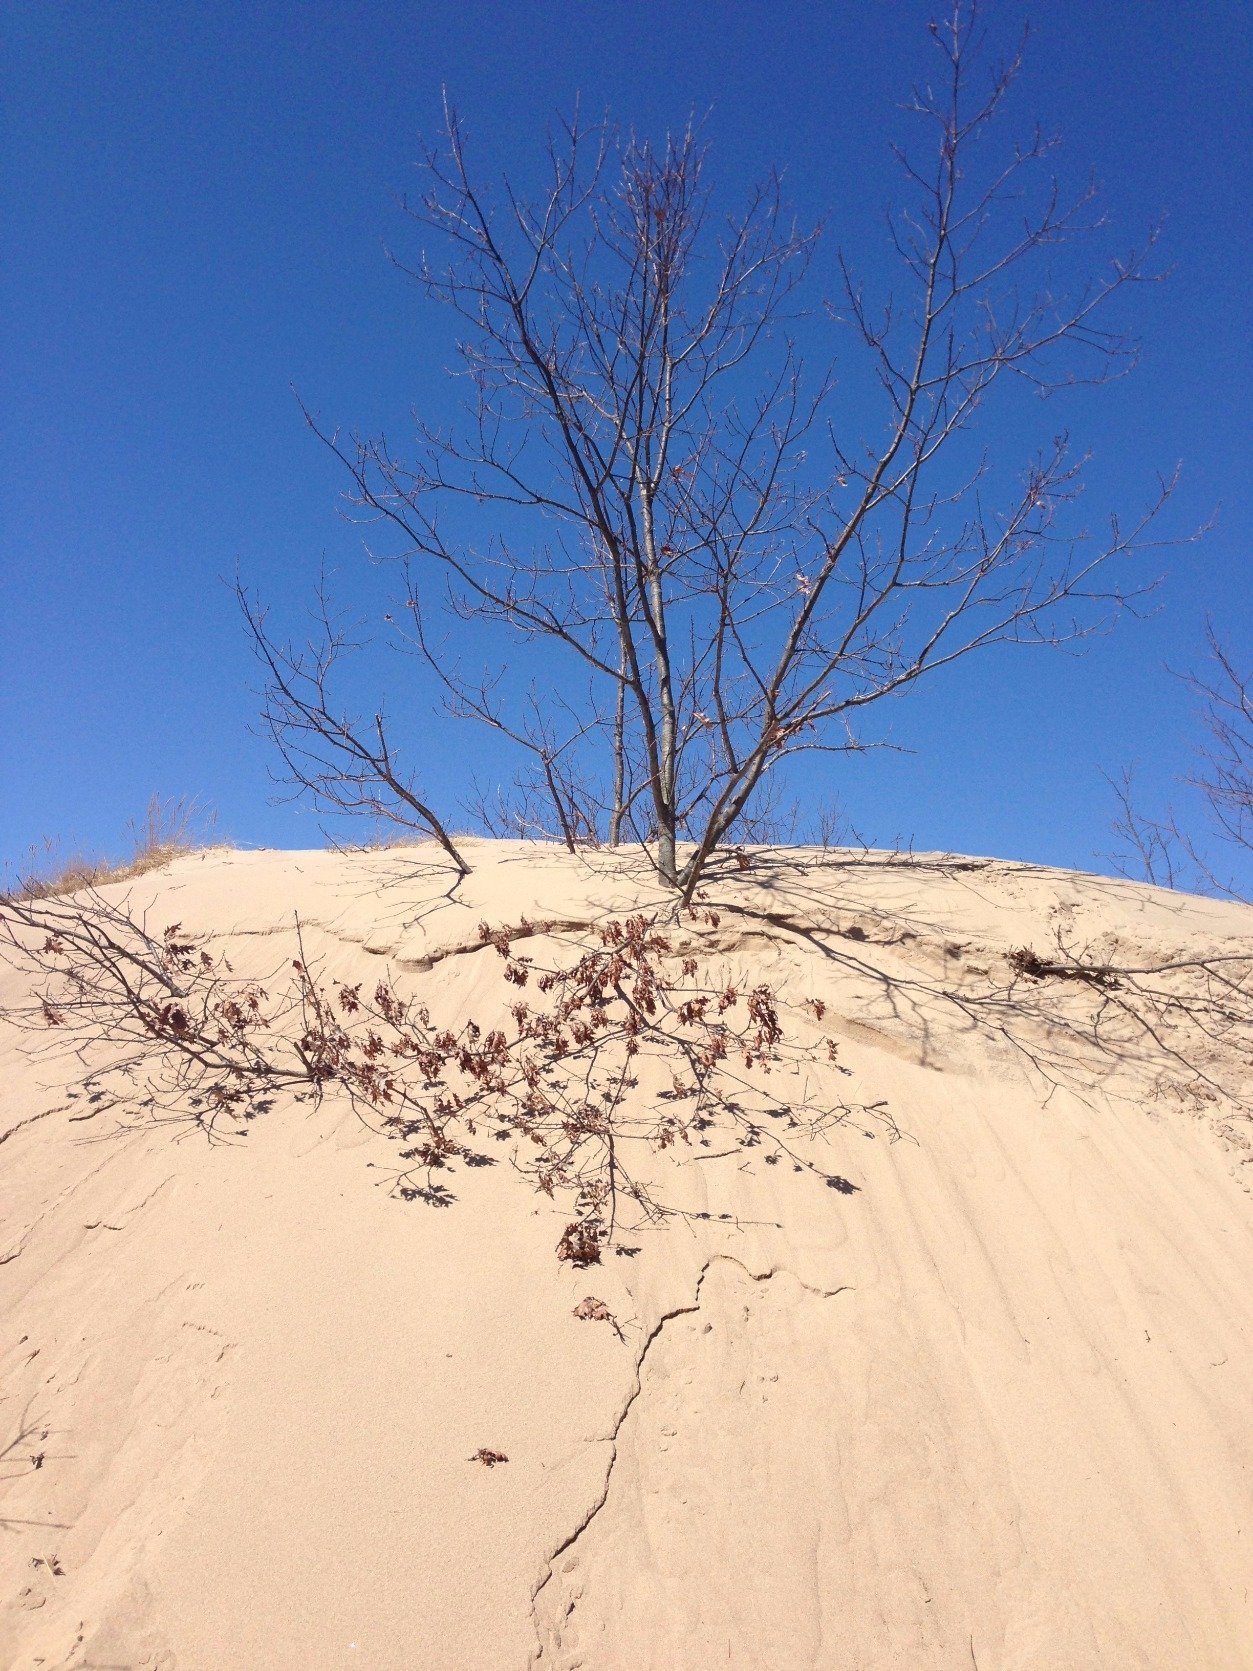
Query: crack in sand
x: 128, y: 1213
x: 29, y: 1121
x: 19, y: 1250
x: 515, y: 931
x: 419, y: 965
x: 612, y: 1437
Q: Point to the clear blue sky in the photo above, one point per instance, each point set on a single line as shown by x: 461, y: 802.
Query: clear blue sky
x: 196, y: 200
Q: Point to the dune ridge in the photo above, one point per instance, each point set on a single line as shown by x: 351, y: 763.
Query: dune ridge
x: 985, y: 1405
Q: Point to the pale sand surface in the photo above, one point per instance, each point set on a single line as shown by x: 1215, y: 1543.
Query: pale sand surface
x: 992, y: 1408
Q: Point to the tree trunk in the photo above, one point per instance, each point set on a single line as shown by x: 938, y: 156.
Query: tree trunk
x: 667, y: 860
x: 619, y: 756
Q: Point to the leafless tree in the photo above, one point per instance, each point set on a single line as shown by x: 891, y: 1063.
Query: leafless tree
x: 1225, y: 776
x: 679, y: 516
x: 1165, y: 850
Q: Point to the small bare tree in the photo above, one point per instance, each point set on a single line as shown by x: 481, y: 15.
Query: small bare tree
x: 1225, y: 776
x: 1164, y: 850
x: 679, y: 516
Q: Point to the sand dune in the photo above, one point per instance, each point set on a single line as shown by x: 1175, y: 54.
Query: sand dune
x: 964, y: 1380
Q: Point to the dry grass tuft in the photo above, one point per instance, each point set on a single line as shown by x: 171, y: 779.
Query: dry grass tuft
x: 382, y: 838
x: 169, y: 827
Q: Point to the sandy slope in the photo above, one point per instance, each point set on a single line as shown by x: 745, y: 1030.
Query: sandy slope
x: 991, y: 1407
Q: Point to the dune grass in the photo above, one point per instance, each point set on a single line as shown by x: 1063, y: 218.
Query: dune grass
x: 169, y: 827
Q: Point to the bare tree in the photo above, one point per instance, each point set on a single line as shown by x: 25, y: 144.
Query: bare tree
x: 1164, y: 850
x: 1225, y: 777
x: 679, y: 516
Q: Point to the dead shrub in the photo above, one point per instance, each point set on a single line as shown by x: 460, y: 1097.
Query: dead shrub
x: 558, y: 1069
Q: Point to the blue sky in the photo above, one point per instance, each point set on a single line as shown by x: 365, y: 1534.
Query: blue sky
x: 196, y: 201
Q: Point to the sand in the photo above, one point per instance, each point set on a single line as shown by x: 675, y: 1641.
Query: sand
x: 988, y: 1404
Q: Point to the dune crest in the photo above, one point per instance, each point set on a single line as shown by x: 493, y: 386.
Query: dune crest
x: 962, y: 1379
